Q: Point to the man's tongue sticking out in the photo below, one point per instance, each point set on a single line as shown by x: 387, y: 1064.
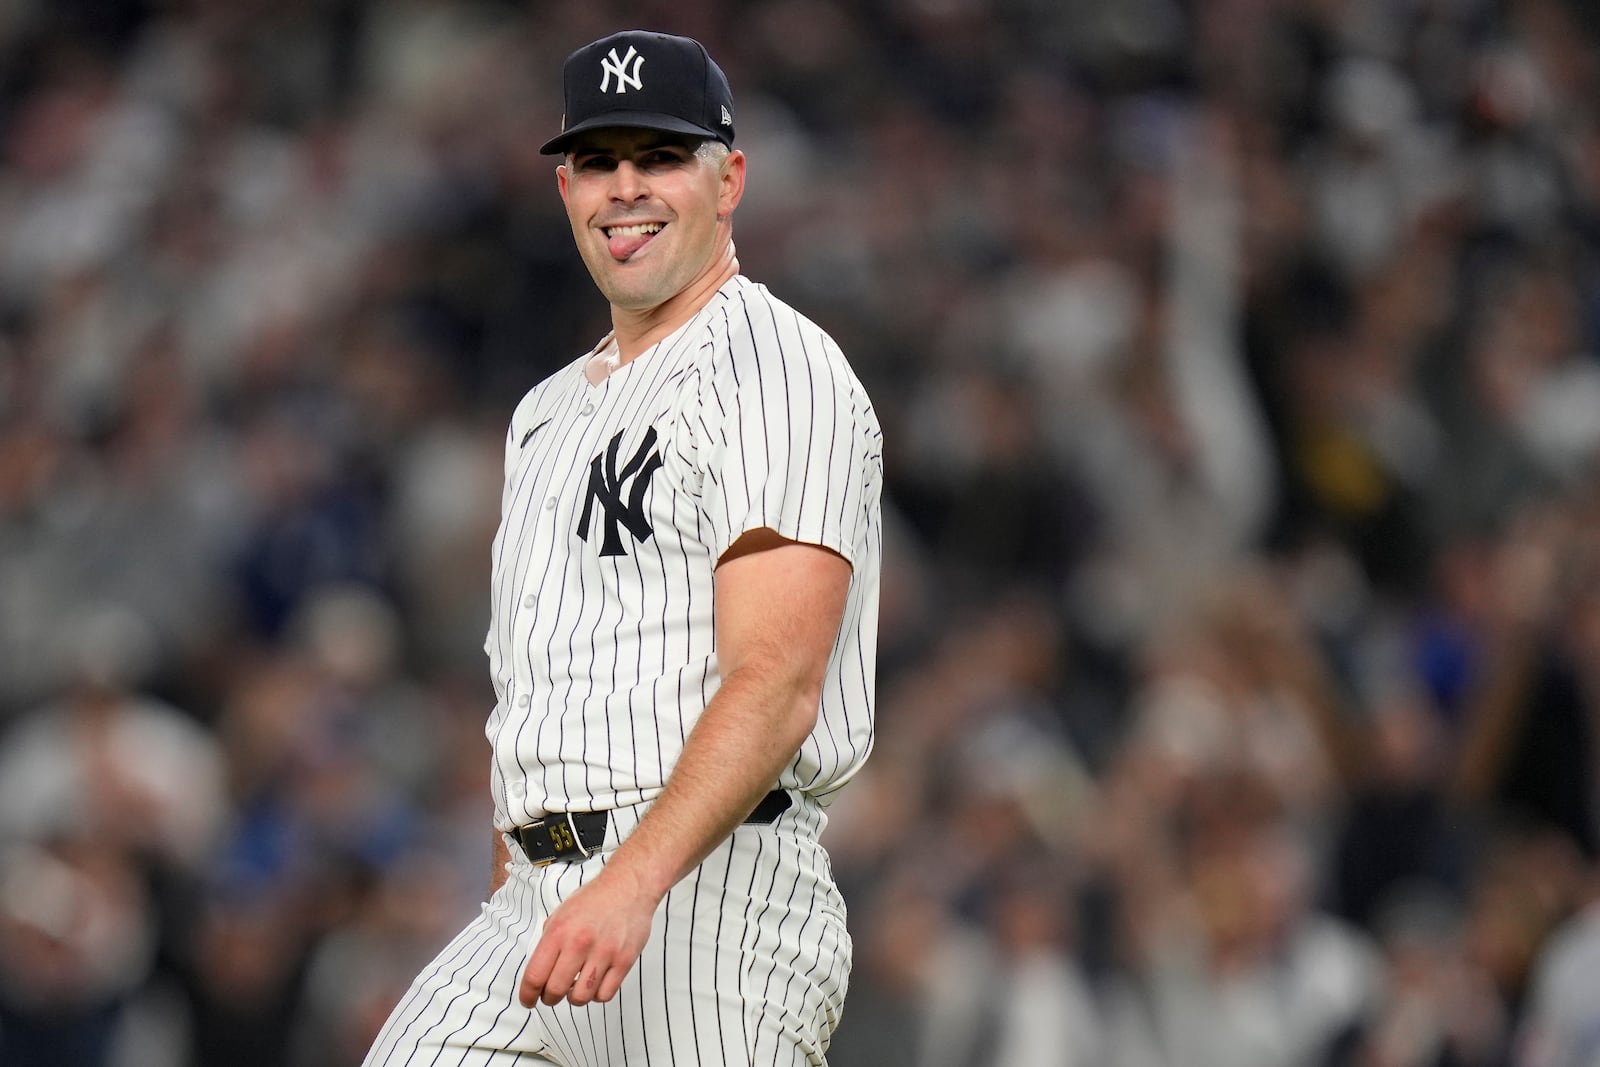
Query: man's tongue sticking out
x: 624, y: 241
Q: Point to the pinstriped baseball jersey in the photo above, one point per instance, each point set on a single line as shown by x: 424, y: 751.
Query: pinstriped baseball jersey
x: 619, y: 499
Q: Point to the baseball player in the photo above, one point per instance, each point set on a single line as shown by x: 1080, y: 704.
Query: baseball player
x: 683, y: 632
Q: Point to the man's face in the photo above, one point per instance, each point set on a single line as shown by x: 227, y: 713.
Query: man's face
x: 646, y: 211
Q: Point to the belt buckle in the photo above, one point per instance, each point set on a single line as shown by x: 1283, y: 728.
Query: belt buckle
x: 562, y: 833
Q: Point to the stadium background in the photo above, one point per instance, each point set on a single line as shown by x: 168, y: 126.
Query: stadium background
x: 1237, y: 361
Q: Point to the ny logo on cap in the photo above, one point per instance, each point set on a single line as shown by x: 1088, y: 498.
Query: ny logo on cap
x: 612, y: 64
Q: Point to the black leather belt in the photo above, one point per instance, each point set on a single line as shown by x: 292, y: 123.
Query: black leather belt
x: 579, y: 833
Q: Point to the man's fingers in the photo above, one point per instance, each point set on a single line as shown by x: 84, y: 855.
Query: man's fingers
x: 584, y: 986
x: 563, y: 976
x: 586, y: 949
x: 540, y: 975
x: 611, y: 983
x: 531, y: 986
x: 592, y: 981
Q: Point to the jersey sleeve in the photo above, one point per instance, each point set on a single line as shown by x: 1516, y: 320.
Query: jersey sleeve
x: 789, y: 438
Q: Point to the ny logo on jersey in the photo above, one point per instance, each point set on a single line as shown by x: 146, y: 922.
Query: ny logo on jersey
x: 613, y: 64
x: 606, y: 485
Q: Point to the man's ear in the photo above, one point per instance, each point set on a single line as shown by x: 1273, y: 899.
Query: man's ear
x: 561, y: 181
x: 731, y: 190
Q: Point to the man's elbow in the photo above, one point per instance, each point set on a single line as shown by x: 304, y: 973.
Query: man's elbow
x: 797, y: 716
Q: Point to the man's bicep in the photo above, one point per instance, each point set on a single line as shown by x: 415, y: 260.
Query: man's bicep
x: 780, y: 600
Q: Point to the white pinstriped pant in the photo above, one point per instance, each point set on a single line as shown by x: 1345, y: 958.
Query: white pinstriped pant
x: 747, y: 964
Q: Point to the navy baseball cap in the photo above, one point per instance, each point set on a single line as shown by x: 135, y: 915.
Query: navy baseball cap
x: 644, y: 80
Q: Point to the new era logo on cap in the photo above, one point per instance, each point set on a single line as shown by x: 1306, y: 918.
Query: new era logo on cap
x: 644, y: 80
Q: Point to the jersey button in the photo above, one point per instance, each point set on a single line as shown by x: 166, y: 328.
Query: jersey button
x: 550, y: 505
x: 529, y: 601
x: 522, y: 701
x: 587, y: 409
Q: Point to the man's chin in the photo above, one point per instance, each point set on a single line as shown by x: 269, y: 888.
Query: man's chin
x: 632, y: 297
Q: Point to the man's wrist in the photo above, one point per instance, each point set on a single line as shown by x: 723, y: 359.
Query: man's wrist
x: 646, y: 880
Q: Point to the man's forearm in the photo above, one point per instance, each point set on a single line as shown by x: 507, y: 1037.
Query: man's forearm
x: 747, y: 734
x: 778, y: 606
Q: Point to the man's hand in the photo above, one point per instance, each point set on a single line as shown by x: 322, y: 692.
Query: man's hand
x: 590, y: 942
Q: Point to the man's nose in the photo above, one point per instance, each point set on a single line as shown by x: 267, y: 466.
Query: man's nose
x: 628, y: 183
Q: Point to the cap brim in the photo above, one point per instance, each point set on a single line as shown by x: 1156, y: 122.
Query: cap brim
x: 633, y: 120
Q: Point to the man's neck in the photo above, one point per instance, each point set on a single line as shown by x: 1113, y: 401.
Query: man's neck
x: 636, y: 331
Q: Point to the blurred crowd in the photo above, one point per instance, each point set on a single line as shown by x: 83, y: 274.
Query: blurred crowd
x: 1239, y: 368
